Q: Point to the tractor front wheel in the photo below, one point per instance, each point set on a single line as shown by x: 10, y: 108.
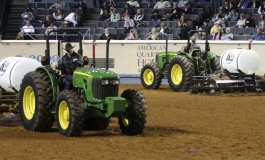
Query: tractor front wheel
x: 35, y: 100
x: 180, y: 72
x: 69, y: 114
x: 134, y: 119
x: 151, y: 76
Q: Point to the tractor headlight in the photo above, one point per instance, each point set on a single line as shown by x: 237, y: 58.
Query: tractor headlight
x: 116, y: 82
x: 105, y: 82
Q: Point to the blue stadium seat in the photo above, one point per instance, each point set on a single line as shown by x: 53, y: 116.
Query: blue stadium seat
x: 249, y: 31
x: 41, y: 5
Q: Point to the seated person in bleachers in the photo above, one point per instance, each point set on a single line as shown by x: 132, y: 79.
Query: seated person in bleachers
x: 255, y: 4
x: 218, y: 35
x: 127, y: 28
x: 241, y: 23
x: 206, y: 26
x: 138, y: 17
x: 184, y: 30
x: 73, y: 19
x: 104, y: 12
x: 233, y: 15
x: 200, y: 35
x: 186, y: 8
x: 155, y: 18
x: 27, y: 29
x: 58, y: 5
x: 162, y: 4
x: 226, y: 7
x: 220, y: 14
x: 133, y: 3
x: 182, y: 21
x: 50, y: 28
x: 59, y: 16
x: 259, y: 35
x: 20, y: 36
x: 244, y: 4
x: 127, y: 19
x: 111, y: 5
x: 132, y: 35
x: 261, y: 10
x: 215, y: 27
x: 250, y: 22
x: 127, y: 9
x: 115, y: 16
x: 48, y: 19
x: 174, y: 13
x: 228, y: 35
x: 154, y: 35
x: 82, y: 7
x: 28, y: 15
x: 163, y: 28
x: 261, y: 25
x: 106, y: 35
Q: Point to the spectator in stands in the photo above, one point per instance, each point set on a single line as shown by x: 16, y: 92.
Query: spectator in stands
x: 228, y: 35
x: 72, y: 18
x: 233, y: 15
x: 127, y: 19
x: 20, y: 36
x: 163, y: 28
x: 261, y: 25
x: 115, y: 16
x: 261, y: 10
x: 28, y: 15
x: 51, y: 28
x: 174, y: 13
x: 82, y: 9
x: 48, y: 19
x: 59, y: 16
x: 154, y: 35
x: 241, y: 23
x: 127, y: 28
x: 58, y: 5
x: 244, y: 4
x: 259, y: 35
x: 155, y: 18
x: 106, y: 35
x: 182, y: 21
x: 250, y: 22
x: 104, y: 12
x: 112, y: 5
x: 184, y: 30
x: 226, y: 8
x: 186, y: 9
x: 133, y: 35
x: 127, y: 9
x: 162, y: 4
x: 255, y: 4
x: 200, y: 35
x: 138, y: 17
x: 27, y: 30
x: 214, y: 29
x: 206, y: 26
x: 220, y: 14
x: 218, y: 35
x: 133, y: 3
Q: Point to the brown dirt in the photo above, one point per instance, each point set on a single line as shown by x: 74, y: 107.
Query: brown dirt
x: 180, y: 126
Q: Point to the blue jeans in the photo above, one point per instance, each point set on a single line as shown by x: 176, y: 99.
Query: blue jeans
x: 67, y: 82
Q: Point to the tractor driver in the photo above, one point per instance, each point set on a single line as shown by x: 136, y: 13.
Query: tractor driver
x: 193, y: 44
x: 68, y: 63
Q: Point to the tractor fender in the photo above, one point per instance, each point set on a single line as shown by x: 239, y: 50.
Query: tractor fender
x: 53, y: 80
x: 210, y: 56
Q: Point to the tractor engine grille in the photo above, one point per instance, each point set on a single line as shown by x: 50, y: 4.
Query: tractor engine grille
x: 102, y: 91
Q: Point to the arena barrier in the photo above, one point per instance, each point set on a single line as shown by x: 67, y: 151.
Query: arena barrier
x: 128, y: 56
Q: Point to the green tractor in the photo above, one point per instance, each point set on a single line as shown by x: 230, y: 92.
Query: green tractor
x: 179, y: 67
x: 90, y: 105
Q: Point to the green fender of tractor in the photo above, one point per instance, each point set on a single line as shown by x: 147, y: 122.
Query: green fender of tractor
x: 53, y: 80
x: 161, y: 58
x: 210, y: 56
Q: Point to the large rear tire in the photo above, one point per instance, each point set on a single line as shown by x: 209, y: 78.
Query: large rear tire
x: 134, y: 119
x: 35, y: 101
x: 69, y: 114
x: 96, y: 124
x: 180, y: 72
x: 151, y: 76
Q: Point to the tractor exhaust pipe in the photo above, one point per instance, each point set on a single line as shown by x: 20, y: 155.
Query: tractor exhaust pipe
x: 107, y: 54
x: 166, y: 49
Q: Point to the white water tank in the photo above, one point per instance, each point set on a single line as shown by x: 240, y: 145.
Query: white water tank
x: 13, y: 69
x: 248, y: 61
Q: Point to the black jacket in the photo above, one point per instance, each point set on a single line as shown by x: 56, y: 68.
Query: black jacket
x: 67, y: 64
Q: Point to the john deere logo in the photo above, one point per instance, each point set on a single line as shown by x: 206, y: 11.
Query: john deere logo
x: 230, y: 58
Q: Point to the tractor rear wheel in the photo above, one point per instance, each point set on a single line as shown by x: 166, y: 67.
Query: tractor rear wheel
x: 180, y: 72
x: 35, y: 102
x: 69, y: 114
x: 134, y: 119
x: 215, y: 65
x: 151, y: 76
x: 96, y: 124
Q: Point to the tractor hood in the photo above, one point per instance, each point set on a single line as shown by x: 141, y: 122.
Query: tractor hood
x: 96, y: 73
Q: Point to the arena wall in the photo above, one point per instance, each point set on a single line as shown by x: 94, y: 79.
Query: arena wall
x: 129, y: 56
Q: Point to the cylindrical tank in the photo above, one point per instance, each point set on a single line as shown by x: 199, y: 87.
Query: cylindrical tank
x: 13, y: 69
x: 233, y: 60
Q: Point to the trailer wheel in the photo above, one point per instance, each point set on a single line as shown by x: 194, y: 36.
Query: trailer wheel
x: 215, y: 65
x: 69, y: 114
x: 151, y: 76
x: 180, y: 72
x: 36, y: 102
x: 134, y: 119
x: 96, y: 124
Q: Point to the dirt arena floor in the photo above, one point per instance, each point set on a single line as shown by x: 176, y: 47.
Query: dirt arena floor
x: 180, y: 126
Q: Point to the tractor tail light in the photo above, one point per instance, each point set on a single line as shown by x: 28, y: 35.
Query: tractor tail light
x: 86, y: 60
x: 43, y: 61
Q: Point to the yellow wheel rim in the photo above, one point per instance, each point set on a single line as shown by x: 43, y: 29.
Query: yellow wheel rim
x: 125, y: 119
x: 176, y: 74
x: 148, y: 76
x: 29, y: 102
x: 64, y: 115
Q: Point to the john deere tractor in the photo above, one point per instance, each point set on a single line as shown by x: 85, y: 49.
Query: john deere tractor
x: 89, y: 105
x: 179, y: 67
